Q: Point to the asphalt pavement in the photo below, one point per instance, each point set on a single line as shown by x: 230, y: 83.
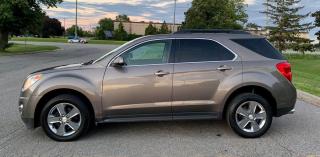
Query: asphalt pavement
x: 291, y: 135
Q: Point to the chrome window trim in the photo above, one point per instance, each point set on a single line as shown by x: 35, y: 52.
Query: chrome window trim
x: 132, y: 47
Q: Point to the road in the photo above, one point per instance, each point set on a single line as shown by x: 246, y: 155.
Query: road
x: 290, y: 135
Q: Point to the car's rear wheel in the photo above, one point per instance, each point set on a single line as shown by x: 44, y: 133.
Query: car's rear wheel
x: 249, y: 115
x: 65, y: 118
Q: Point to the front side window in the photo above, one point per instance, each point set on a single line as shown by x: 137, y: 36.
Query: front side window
x: 200, y: 50
x: 155, y: 52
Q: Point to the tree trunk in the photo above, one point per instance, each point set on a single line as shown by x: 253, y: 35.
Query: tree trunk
x: 4, y: 37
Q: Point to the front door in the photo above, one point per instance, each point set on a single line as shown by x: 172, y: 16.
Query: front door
x: 143, y: 87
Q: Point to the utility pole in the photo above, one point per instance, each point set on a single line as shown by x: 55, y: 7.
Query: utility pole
x: 76, y: 28
x: 174, y: 16
x: 64, y: 25
x: 267, y: 18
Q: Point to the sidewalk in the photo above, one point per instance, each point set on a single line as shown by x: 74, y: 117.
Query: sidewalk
x: 312, y: 99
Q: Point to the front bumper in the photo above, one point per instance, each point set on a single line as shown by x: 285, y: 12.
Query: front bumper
x: 29, y: 122
x: 26, y: 108
x: 23, y: 107
x: 292, y: 111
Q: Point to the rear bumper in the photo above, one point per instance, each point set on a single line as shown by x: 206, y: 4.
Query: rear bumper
x: 286, y: 99
x: 284, y: 111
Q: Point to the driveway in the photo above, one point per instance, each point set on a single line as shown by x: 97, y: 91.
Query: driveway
x: 290, y: 135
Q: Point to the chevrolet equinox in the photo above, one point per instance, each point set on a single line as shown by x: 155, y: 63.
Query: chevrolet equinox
x: 191, y: 74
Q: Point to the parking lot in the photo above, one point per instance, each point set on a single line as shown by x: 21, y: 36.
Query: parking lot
x: 290, y: 135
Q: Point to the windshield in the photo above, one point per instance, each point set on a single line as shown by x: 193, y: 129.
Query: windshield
x: 118, y: 48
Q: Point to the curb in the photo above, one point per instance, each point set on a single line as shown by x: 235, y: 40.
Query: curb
x: 27, y: 53
x: 312, y: 99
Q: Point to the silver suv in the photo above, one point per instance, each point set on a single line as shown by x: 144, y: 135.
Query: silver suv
x: 192, y: 74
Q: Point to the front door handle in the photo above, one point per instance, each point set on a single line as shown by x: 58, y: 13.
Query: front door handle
x: 224, y: 68
x: 161, y: 73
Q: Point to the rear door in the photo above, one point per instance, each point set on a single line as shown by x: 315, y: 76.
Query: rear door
x: 200, y: 65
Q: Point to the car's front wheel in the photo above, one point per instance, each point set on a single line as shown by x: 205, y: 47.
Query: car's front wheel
x: 65, y: 118
x: 249, y: 115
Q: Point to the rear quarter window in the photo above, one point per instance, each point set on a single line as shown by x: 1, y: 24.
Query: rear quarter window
x: 260, y: 46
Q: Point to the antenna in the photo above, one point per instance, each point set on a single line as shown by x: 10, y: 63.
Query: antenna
x: 64, y: 25
x: 76, y: 28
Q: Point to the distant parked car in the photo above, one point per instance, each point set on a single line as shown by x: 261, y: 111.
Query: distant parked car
x: 77, y: 40
x: 70, y: 37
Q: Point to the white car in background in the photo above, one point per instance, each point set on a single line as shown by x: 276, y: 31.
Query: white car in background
x: 77, y: 40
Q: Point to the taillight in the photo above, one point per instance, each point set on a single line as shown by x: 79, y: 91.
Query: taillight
x: 285, y: 69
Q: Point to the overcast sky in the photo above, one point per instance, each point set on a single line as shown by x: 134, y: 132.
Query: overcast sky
x: 90, y: 11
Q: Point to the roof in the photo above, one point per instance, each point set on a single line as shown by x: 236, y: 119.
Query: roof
x: 144, y: 22
x: 228, y: 31
x: 201, y: 35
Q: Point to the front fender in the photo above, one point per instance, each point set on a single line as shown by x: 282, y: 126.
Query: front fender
x: 87, y: 83
x: 73, y: 82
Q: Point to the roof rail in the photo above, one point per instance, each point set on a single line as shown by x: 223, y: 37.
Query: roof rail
x: 229, y: 31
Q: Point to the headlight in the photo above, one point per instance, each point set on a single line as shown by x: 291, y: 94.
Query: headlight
x: 31, y: 80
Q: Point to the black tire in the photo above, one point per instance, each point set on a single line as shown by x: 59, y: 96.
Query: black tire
x: 240, y: 99
x: 79, y: 104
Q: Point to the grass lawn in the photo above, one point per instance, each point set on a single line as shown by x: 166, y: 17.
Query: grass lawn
x: 107, y: 42
x: 306, y: 72
x: 64, y: 40
x: 21, y: 49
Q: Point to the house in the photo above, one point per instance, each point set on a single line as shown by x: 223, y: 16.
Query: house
x: 139, y: 28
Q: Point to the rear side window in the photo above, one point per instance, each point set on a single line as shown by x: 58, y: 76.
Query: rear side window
x: 198, y: 50
x: 260, y: 46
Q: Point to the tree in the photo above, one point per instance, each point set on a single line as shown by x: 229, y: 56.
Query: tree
x: 252, y: 26
x: 286, y: 29
x: 215, y: 14
x: 105, y: 24
x: 164, y: 28
x: 51, y: 27
x: 88, y: 34
x: 151, y: 30
x: 70, y: 31
x: 18, y: 16
x: 123, y: 18
x: 316, y: 15
x: 120, y: 33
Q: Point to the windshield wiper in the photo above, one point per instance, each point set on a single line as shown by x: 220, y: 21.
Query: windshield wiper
x: 88, y: 63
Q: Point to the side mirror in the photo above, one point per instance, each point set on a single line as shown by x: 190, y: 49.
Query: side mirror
x: 118, y: 62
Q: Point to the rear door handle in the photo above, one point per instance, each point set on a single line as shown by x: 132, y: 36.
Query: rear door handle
x: 224, y: 68
x: 161, y: 73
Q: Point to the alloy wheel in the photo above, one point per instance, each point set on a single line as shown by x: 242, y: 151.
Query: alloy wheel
x: 251, y: 116
x: 64, y: 119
